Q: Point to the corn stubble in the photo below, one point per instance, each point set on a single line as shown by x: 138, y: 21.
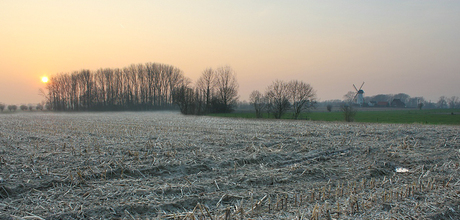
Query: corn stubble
x: 168, y: 166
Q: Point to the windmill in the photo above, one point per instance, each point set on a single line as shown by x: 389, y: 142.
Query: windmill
x: 359, y: 97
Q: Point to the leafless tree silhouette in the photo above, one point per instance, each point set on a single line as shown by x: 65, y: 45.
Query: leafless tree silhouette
x: 278, y: 98
x: 259, y: 101
x: 302, y: 96
x: 136, y: 87
x: 227, y: 89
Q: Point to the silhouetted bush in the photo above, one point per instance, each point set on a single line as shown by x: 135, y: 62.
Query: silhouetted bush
x: 348, y: 112
x: 39, y: 107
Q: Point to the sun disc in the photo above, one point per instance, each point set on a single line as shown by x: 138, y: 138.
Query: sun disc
x: 45, y: 79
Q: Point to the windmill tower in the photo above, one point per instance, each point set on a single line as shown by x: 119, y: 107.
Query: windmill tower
x: 359, y: 97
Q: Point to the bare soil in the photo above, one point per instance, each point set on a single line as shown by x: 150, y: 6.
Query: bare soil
x: 167, y: 166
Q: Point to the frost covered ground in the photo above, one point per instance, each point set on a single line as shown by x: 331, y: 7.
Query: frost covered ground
x: 139, y: 165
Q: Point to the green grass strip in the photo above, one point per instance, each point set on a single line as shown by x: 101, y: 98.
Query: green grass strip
x: 428, y: 116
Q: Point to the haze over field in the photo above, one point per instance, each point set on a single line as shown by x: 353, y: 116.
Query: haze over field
x: 394, y: 46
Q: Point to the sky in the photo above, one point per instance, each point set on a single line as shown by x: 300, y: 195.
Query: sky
x: 393, y: 46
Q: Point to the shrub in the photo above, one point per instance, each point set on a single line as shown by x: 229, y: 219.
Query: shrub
x: 39, y: 107
x: 348, y: 112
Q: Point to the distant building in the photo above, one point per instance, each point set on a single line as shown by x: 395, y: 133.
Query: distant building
x: 398, y: 103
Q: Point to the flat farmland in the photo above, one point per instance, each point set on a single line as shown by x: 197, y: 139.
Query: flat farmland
x: 161, y: 165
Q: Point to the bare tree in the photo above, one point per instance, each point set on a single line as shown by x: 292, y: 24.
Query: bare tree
x: 174, y: 81
x: 39, y: 107
x: 101, y: 87
x: 259, y: 101
x: 206, y: 84
x: 348, y: 112
x: 12, y: 107
x: 302, y: 96
x: 2, y: 107
x: 453, y: 102
x: 442, y: 102
x: 23, y: 107
x: 75, y: 96
x: 185, y: 98
x: 278, y: 98
x: 87, y: 87
x: 348, y: 98
x: 420, y: 105
x: 415, y: 101
x: 329, y: 107
x: 227, y: 89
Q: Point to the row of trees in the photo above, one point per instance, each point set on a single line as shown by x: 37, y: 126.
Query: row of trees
x: 136, y: 87
x: 149, y: 86
x: 452, y: 102
x: 281, y: 97
x: 22, y: 107
x: 405, y: 98
x: 216, y: 91
x: 10, y: 107
x: 411, y: 102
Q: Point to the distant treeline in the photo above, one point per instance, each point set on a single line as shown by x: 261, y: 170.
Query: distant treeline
x: 147, y: 86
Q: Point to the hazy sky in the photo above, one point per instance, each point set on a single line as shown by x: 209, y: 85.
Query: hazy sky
x: 394, y: 46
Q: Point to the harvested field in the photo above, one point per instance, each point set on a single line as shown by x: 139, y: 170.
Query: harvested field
x: 168, y: 166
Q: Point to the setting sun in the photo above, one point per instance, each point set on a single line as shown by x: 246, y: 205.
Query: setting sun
x: 44, y: 79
